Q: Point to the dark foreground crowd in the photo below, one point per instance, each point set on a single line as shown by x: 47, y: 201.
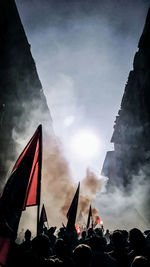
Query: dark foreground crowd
x: 94, y: 248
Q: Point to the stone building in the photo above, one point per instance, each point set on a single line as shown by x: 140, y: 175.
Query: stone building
x: 22, y: 102
x: 131, y: 136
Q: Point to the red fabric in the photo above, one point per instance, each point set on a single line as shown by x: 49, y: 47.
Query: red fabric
x: 31, y: 194
x: 33, y: 149
x: 4, y: 250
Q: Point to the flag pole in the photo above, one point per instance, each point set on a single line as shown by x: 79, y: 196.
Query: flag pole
x: 38, y: 212
x: 89, y: 217
x: 47, y: 224
x: 39, y: 177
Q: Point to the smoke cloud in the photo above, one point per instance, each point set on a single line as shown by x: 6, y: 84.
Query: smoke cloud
x: 59, y: 183
x: 83, y: 55
x: 126, y: 209
x: 58, y: 187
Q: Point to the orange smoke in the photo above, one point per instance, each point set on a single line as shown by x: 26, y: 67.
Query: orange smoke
x: 94, y: 211
x: 91, y: 183
x: 58, y: 189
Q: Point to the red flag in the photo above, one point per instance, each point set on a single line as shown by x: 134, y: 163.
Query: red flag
x: 43, y: 219
x: 22, y: 189
x: 34, y: 150
x: 89, y: 217
x: 72, y: 212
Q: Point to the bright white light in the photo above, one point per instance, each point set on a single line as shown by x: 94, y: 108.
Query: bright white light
x: 68, y: 120
x: 85, y: 144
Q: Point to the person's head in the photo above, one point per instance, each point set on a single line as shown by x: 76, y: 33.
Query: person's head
x: 136, y: 238
x: 41, y: 246
x: 98, y: 243
x: 27, y: 235
x: 82, y: 255
x: 117, y: 239
x: 140, y: 261
x: 98, y: 231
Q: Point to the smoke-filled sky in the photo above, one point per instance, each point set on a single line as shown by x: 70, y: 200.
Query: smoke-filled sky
x: 83, y: 51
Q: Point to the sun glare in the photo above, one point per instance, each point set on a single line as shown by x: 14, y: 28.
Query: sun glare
x: 85, y: 144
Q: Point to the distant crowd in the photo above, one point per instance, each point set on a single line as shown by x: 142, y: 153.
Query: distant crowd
x: 91, y: 248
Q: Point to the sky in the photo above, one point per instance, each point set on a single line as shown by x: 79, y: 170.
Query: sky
x: 84, y: 52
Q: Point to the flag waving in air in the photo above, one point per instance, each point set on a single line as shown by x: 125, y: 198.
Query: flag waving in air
x: 72, y: 212
x: 21, y: 190
x: 32, y: 158
x: 43, y: 219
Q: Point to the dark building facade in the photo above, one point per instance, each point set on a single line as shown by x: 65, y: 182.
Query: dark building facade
x: 22, y: 102
x: 131, y: 136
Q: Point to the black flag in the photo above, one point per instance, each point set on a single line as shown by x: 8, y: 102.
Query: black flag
x: 72, y: 212
x: 43, y: 219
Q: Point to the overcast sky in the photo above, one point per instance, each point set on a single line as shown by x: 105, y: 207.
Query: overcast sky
x: 83, y: 52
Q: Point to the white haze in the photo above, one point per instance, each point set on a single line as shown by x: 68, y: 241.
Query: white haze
x: 83, y: 60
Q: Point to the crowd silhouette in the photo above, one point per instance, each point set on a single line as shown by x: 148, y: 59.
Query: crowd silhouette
x: 91, y: 248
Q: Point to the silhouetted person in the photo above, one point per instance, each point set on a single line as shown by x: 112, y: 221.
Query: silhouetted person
x: 138, y: 244
x: 51, y: 236
x: 39, y: 254
x: 99, y: 256
x: 119, y: 252
x: 18, y: 252
x: 26, y: 245
x: 62, y: 253
x: 140, y: 261
x: 99, y: 232
x: 69, y: 238
x: 82, y: 256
